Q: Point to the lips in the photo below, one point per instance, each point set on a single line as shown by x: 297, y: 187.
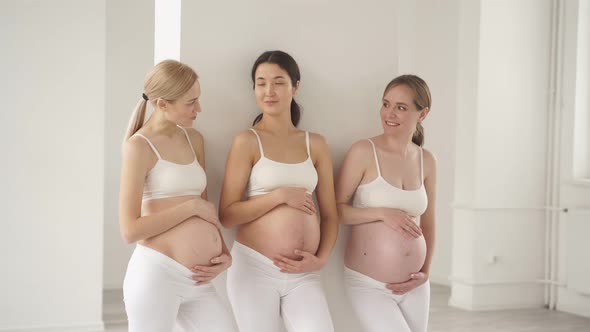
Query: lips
x: 391, y: 124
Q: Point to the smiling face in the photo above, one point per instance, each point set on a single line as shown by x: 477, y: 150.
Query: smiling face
x: 184, y: 110
x: 273, y: 89
x: 399, y: 113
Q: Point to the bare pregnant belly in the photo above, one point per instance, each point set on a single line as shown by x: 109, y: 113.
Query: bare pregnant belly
x: 382, y: 253
x: 192, y: 242
x: 281, y: 231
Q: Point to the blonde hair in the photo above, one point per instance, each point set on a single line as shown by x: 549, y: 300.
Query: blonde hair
x: 168, y: 80
x: 422, y: 99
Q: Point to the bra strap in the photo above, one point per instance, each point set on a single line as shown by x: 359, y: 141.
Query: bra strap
x: 422, y: 164
x: 307, y: 143
x: 151, y: 145
x: 189, y: 141
x: 376, y: 159
x: 259, y: 142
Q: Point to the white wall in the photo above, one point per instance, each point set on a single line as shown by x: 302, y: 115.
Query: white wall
x: 129, y: 57
x: 346, y: 54
x: 52, y: 89
x: 428, y: 46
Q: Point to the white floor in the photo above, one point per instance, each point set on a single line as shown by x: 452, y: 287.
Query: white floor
x: 442, y: 317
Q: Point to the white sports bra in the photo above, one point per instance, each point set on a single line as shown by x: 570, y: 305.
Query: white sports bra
x: 168, y: 179
x: 268, y: 174
x: 379, y: 193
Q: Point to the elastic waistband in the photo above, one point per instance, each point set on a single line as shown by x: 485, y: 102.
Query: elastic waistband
x: 363, y: 278
x: 263, y: 263
x: 158, y: 257
x: 244, y: 249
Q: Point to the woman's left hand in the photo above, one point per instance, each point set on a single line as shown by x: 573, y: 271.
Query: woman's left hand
x: 308, y: 263
x: 204, y: 274
x: 416, y: 279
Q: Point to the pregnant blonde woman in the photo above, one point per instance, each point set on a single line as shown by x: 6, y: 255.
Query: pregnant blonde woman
x: 163, y: 207
x: 386, y: 184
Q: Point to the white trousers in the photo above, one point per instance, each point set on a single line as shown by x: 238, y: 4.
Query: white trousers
x: 379, y: 310
x: 261, y: 295
x: 160, y: 293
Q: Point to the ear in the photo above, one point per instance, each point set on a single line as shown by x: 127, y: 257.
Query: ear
x: 162, y: 104
x: 296, y: 87
x: 423, y: 113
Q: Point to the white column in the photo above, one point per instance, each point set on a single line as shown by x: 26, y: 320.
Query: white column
x: 503, y: 95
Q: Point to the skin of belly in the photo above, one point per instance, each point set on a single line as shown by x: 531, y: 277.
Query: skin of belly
x: 378, y: 251
x: 281, y: 231
x: 192, y: 242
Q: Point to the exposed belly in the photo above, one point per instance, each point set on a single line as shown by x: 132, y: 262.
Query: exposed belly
x: 281, y: 231
x: 192, y: 242
x: 382, y: 253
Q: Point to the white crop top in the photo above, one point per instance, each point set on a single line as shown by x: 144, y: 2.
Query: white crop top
x: 268, y: 174
x: 168, y: 179
x: 379, y: 193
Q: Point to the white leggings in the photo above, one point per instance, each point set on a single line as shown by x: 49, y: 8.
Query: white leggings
x: 261, y: 294
x: 160, y: 293
x: 379, y: 310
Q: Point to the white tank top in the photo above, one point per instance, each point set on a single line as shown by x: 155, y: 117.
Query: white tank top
x: 168, y: 179
x: 379, y: 193
x: 267, y: 175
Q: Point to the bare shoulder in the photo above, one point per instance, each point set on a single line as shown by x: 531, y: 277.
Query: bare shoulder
x: 430, y: 161
x: 361, y: 149
x: 136, y: 147
x: 195, y: 136
x: 318, y: 141
x: 245, y: 138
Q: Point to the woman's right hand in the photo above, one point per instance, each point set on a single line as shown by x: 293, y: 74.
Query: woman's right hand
x: 297, y: 198
x: 204, y: 210
x: 402, y: 222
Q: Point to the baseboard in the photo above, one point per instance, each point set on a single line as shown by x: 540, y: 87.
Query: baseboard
x: 572, y: 302
x: 496, y: 297
x: 90, y: 327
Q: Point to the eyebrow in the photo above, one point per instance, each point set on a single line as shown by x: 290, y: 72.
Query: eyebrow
x: 276, y: 78
x: 387, y: 101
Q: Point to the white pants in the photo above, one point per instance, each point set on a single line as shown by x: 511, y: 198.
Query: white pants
x: 261, y: 294
x: 160, y: 293
x: 379, y: 310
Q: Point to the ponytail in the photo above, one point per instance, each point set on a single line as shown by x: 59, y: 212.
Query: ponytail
x: 418, y: 137
x: 137, y: 119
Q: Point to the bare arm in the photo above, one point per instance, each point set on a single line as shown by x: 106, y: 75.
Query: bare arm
x: 325, y: 196
x: 232, y: 210
x: 351, y: 173
x: 137, y: 160
x: 198, y: 143
x: 427, y: 220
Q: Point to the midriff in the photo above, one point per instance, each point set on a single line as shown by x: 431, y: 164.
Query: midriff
x: 192, y: 242
x: 281, y: 231
x: 382, y: 253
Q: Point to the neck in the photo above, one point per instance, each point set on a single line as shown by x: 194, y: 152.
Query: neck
x: 279, y: 124
x: 396, y: 144
x: 159, y: 124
